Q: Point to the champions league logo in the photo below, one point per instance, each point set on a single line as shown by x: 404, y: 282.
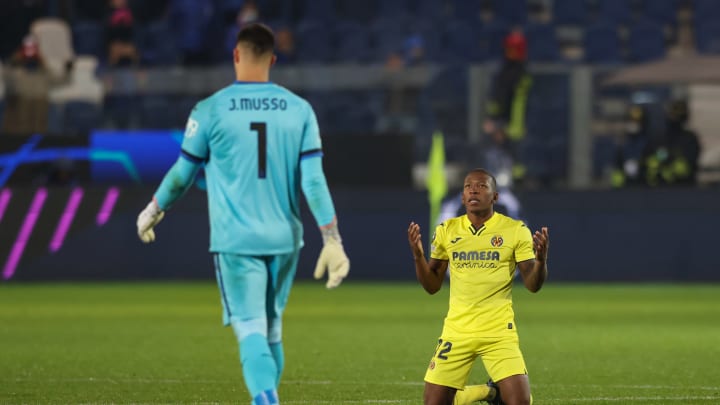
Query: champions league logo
x: 496, y: 241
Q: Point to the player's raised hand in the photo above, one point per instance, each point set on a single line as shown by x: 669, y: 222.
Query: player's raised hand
x: 146, y: 221
x: 541, y: 243
x: 415, y: 240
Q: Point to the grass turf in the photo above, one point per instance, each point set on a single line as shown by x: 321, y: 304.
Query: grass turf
x: 148, y: 343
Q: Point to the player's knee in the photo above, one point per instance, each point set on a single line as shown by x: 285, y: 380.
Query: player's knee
x: 274, y: 331
x: 247, y: 327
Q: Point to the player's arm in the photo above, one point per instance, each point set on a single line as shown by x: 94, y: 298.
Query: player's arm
x: 431, y: 273
x: 180, y: 177
x: 317, y: 194
x: 534, y: 271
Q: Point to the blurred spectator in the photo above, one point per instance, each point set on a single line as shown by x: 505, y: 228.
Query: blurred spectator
x: 248, y: 13
x: 410, y: 53
x: 285, y: 46
x: 506, y: 106
x: 674, y: 159
x: 632, y: 148
x: 120, y: 35
x: 28, y: 83
x: 400, y: 106
x: 191, y: 20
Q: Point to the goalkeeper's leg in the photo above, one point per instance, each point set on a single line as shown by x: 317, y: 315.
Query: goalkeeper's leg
x: 243, y: 282
x: 282, y: 274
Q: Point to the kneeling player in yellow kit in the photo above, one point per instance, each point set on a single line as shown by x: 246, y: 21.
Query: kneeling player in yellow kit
x: 481, y: 249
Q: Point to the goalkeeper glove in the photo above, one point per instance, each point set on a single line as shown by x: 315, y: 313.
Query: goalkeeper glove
x: 146, y: 221
x: 332, y: 258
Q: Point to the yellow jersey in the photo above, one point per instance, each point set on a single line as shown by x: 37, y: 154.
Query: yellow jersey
x: 481, y: 263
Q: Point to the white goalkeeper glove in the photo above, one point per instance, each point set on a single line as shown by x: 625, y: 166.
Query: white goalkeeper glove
x: 146, y: 221
x: 332, y: 258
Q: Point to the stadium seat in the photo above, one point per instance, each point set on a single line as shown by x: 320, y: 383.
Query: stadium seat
x: 313, y: 42
x: 491, y: 37
x: 543, y: 45
x: 707, y: 37
x: 392, y: 8
x: 662, y: 11
x: 706, y: 11
x: 387, y: 36
x: 617, y: 12
x: 570, y: 12
x: 646, y: 42
x: 601, y: 44
x: 352, y: 43
x: 156, y: 112
x: 320, y: 10
x: 467, y: 10
x: 428, y: 9
x: 157, y: 44
x: 511, y: 11
x: 81, y: 117
x: 55, y: 41
x: 462, y: 42
x: 358, y: 11
x: 89, y: 39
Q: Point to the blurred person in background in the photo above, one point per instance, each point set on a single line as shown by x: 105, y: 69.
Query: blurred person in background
x: 632, y: 149
x: 191, y: 20
x: 119, y: 31
x: 285, y: 46
x: 506, y: 107
x: 400, y: 104
x: 674, y: 159
x: 481, y: 251
x: 28, y: 82
x: 259, y: 145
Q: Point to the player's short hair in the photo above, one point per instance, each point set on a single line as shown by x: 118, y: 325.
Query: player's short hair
x: 258, y: 38
x: 487, y: 172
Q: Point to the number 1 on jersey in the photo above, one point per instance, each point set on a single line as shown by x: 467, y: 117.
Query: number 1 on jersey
x: 261, y: 129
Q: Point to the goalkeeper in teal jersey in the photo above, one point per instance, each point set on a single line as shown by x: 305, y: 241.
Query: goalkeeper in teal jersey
x: 260, y: 146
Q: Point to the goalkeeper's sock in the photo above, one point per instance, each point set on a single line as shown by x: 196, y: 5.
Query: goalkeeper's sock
x: 279, y: 355
x: 474, y: 393
x: 259, y: 368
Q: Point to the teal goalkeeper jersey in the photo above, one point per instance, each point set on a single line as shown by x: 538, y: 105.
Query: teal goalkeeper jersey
x: 252, y: 137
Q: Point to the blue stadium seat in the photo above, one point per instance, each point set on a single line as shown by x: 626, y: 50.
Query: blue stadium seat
x: 543, y: 45
x: 387, y: 36
x: 615, y: 11
x: 119, y: 110
x: 352, y: 43
x: 89, y: 39
x: 462, y: 42
x: 156, y: 112
x: 511, y: 11
x: 646, y: 42
x: 468, y: 10
x: 322, y: 10
x: 492, y: 35
x: 604, y: 152
x: 349, y: 113
x: 570, y: 12
x: 359, y: 11
x: 390, y: 8
x: 602, y: 44
x: 707, y: 37
x: 428, y: 9
x: 706, y: 11
x: 157, y: 44
x: 663, y: 11
x: 313, y: 42
x: 81, y: 117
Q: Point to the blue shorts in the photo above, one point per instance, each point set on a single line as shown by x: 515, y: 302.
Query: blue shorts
x: 254, y: 287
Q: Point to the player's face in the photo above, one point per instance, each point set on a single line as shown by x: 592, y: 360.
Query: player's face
x: 478, y: 192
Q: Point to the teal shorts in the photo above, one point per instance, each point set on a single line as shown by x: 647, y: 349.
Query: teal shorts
x: 254, y: 287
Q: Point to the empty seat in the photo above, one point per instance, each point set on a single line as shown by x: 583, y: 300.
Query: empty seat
x: 352, y: 43
x: 570, y: 12
x: 511, y: 11
x: 543, y: 45
x: 81, y: 117
x: 55, y: 41
x: 646, y: 42
x: 313, y: 42
x: 89, y: 38
x: 601, y: 44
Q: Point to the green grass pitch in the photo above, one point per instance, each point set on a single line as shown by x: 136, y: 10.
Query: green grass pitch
x: 162, y: 343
